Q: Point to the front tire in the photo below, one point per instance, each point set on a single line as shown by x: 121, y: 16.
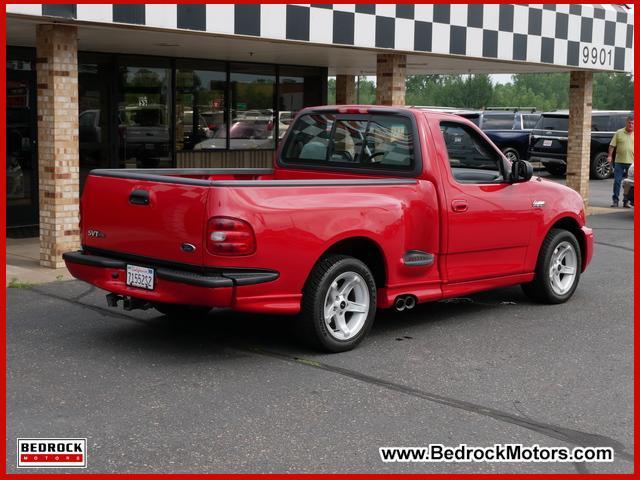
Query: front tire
x: 558, y: 269
x: 601, y: 169
x: 338, y: 304
x: 511, y: 154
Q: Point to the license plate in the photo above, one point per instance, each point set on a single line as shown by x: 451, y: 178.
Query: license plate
x: 547, y: 143
x: 140, y: 277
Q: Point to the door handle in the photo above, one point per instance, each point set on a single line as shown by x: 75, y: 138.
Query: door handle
x: 139, y: 197
x: 459, y: 205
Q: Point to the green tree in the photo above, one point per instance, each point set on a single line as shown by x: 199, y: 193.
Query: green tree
x: 612, y: 91
x: 544, y: 91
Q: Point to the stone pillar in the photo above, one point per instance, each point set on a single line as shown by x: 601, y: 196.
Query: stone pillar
x: 345, y: 89
x: 391, y: 78
x: 58, y: 155
x: 579, y: 142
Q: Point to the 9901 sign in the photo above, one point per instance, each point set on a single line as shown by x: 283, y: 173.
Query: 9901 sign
x: 596, y: 56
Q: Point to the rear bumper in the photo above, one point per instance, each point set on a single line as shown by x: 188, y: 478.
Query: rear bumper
x: 557, y: 159
x: 588, y: 246
x: 174, y: 284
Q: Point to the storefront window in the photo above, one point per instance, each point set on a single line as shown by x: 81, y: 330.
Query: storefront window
x: 200, y: 106
x: 299, y: 87
x: 252, y: 123
x: 144, y: 117
x: 94, y: 113
x: 21, y: 147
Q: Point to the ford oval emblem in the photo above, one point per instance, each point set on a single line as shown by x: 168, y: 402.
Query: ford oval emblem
x: 188, y: 247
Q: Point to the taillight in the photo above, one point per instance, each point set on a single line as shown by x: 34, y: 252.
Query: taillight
x: 230, y: 236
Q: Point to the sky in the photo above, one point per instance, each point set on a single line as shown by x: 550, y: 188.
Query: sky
x: 501, y: 78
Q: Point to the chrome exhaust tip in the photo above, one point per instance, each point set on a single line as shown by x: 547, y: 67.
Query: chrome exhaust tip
x: 410, y: 302
x: 399, y: 304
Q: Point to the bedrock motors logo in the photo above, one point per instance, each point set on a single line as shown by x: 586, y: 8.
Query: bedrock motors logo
x: 52, y: 452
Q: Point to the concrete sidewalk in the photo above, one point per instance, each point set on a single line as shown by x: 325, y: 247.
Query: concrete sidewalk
x: 23, y: 263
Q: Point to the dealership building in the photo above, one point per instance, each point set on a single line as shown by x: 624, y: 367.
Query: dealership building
x: 196, y: 86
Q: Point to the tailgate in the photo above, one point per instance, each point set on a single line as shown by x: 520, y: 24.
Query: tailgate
x: 549, y: 145
x: 161, y: 220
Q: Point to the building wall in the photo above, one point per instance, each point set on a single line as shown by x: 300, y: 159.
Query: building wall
x: 554, y: 34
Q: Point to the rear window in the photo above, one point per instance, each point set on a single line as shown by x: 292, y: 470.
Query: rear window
x: 358, y: 141
x: 553, y: 122
x: 497, y: 122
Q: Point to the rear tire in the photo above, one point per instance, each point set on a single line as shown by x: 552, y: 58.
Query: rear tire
x: 177, y: 311
x: 558, y: 269
x: 601, y: 169
x: 338, y: 304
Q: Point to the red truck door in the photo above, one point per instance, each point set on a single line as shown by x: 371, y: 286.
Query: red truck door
x: 488, y: 220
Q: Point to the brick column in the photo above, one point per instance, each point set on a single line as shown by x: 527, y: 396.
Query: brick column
x: 579, y: 143
x: 58, y: 155
x: 391, y: 78
x: 345, y: 89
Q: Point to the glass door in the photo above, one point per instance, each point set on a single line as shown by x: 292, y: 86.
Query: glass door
x: 21, y: 161
x: 144, y: 115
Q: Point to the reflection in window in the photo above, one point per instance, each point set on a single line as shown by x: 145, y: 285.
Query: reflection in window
x: 200, y: 105
x: 377, y: 141
x: 252, y: 110
x: 348, y: 138
x: 389, y: 142
x: 299, y: 87
x: 94, y: 108
x: 143, y: 117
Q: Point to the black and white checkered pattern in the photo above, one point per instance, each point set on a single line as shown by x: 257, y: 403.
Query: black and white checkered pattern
x: 555, y: 34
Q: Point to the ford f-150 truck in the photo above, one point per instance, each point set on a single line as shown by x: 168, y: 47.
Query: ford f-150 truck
x: 365, y: 208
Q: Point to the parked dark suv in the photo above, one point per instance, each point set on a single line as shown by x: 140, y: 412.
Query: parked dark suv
x: 549, y: 141
x: 508, y: 128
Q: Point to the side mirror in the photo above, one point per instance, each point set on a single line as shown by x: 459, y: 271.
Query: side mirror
x: 521, y: 171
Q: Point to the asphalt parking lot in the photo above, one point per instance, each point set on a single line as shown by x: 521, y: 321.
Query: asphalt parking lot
x: 237, y: 393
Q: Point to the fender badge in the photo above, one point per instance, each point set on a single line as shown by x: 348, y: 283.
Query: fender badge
x: 538, y: 203
x: 95, y: 234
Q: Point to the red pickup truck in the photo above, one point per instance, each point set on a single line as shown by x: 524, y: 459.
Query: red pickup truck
x: 366, y: 207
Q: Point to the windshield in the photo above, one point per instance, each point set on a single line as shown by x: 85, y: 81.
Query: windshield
x: 553, y: 122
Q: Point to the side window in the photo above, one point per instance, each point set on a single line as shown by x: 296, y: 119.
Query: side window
x: 529, y: 121
x: 619, y: 121
x: 471, y: 158
x: 601, y: 123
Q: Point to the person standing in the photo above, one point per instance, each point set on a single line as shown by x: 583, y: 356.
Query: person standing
x: 622, y: 142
